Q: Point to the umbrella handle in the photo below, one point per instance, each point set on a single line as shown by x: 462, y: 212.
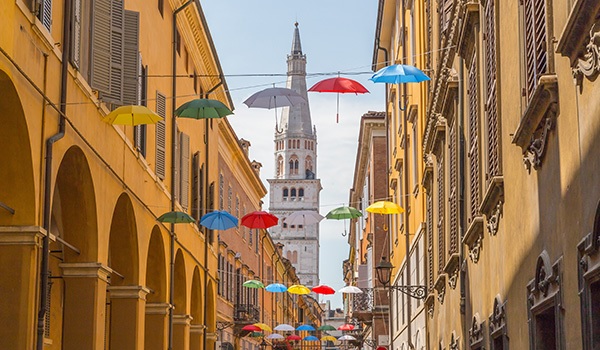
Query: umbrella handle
x: 337, y: 116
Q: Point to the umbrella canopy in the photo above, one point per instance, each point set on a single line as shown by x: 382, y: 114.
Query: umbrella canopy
x: 326, y: 327
x: 346, y: 337
x: 323, y: 289
x: 298, y: 289
x: 251, y: 328
x: 342, y: 213
x: 203, y: 108
x: 385, y: 207
x: 175, y: 217
x: 305, y: 327
x: 218, y: 220
x: 276, y: 288
x: 253, y: 284
x: 263, y: 327
x: 339, y: 85
x: 275, y: 336
x: 303, y: 217
x: 399, y: 73
x: 274, y: 98
x: 311, y: 338
x: 328, y: 338
x: 132, y: 115
x: 293, y: 337
x: 350, y: 290
x: 346, y: 327
x: 284, y: 327
x: 259, y: 219
x: 256, y: 334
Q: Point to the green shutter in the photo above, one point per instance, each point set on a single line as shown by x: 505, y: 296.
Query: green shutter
x: 161, y: 134
x: 131, y: 59
x: 100, y: 44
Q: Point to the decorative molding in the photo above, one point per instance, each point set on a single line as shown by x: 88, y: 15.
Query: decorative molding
x: 440, y: 287
x: 22, y: 235
x: 430, y: 304
x: 538, y: 119
x: 128, y: 292
x: 546, y: 281
x: 473, y: 238
x: 494, y: 218
x: 498, y: 318
x: 584, y: 14
x: 453, y: 342
x: 428, y: 172
x: 476, y: 331
x: 452, y: 269
x: 158, y: 308
x: 182, y: 319
x: 468, y: 38
x: 86, y: 270
x: 589, y: 64
x: 492, y: 203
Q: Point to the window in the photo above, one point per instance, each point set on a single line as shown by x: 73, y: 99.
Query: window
x: 589, y: 285
x: 229, y: 198
x: 293, y: 192
x: 285, y: 225
x: 535, y: 41
x: 184, y: 170
x: 44, y: 13
x: 473, y: 130
x: 161, y: 134
x: 301, y: 192
x: 285, y: 193
x: 221, y: 190
x: 493, y: 129
x: 476, y: 340
x: 197, y: 187
x: 178, y: 42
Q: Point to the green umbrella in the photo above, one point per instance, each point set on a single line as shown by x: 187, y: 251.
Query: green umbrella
x: 203, y: 108
x: 326, y: 327
x: 253, y: 284
x: 175, y: 217
x: 342, y: 213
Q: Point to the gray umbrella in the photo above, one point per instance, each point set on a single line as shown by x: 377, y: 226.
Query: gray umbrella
x: 274, y: 98
x: 303, y: 217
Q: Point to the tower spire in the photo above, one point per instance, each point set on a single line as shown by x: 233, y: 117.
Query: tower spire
x: 296, y: 45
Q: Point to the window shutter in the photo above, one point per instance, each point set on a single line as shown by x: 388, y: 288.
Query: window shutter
x: 184, y: 147
x: 536, y: 56
x: 131, y: 59
x: 441, y: 206
x: 100, y: 44
x: 474, y: 171
x: 117, y: 30
x: 177, y: 190
x: 196, y: 186
x: 45, y: 13
x: 76, y: 34
x: 453, y: 196
x: 493, y: 139
x: 161, y: 134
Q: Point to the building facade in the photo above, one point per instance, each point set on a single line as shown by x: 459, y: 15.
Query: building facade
x: 296, y: 186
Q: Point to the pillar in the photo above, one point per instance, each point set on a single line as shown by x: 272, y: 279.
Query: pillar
x: 181, y: 332
x: 156, y: 326
x: 196, y: 332
x: 127, y: 314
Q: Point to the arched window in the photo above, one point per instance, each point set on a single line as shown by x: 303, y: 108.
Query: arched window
x: 293, y: 165
x: 293, y: 192
x: 289, y: 143
x: 295, y: 257
x: 301, y: 192
x: 285, y: 192
x: 279, y: 165
x: 308, y: 163
x: 296, y: 166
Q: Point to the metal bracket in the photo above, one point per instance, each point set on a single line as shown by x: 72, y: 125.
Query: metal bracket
x: 417, y: 292
x: 223, y: 325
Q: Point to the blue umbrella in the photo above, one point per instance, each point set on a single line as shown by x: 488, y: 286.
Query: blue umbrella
x: 311, y: 338
x: 305, y: 327
x: 218, y: 220
x: 276, y: 288
x: 399, y: 73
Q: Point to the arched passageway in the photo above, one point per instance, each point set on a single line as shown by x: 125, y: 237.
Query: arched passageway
x: 196, y: 311
x: 181, y: 318
x: 157, y: 308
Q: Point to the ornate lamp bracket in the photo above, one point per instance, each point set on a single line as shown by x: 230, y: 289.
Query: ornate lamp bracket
x: 417, y: 292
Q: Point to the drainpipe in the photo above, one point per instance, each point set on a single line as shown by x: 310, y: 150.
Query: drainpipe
x: 274, y: 297
x: 66, y: 47
x: 461, y: 192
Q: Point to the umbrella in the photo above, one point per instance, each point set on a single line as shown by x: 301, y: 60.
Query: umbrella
x: 328, y: 338
x: 342, y: 213
x: 346, y: 337
x: 293, y: 337
x: 202, y: 109
x: 259, y: 219
x: 284, y: 328
x: 339, y: 85
x: 303, y: 217
x: 276, y: 288
x: 311, y: 338
x: 275, y: 336
x: 305, y: 327
x: 326, y: 327
x: 175, y: 217
x: 218, y: 220
x: 323, y: 289
x: 350, y: 290
x: 253, y: 284
x: 132, y: 115
x: 251, y: 328
x: 256, y: 334
x: 263, y: 327
x: 385, y: 207
x: 398, y: 74
x: 274, y: 98
x: 298, y: 289
x: 346, y: 327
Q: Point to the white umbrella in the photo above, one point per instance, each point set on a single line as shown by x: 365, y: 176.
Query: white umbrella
x: 274, y: 98
x: 350, y: 290
x: 303, y: 217
x: 275, y: 336
x: 346, y: 337
x: 284, y: 328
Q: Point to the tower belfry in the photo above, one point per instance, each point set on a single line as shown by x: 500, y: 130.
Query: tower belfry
x: 295, y: 186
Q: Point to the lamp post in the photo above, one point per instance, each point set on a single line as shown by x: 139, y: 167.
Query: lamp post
x: 384, y: 269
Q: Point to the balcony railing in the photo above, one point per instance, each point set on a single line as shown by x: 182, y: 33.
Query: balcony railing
x: 363, y: 302
x: 246, y: 313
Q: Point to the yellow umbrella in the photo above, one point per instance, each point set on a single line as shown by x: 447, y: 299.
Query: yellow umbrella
x: 132, y: 115
x: 298, y: 289
x: 328, y: 338
x: 385, y: 207
x: 264, y: 327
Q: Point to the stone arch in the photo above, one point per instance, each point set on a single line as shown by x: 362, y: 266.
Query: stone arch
x: 17, y: 188
x: 123, y: 255
x: 196, y: 311
x: 211, y: 315
x: 280, y: 165
x: 180, y: 294
x: 156, y: 266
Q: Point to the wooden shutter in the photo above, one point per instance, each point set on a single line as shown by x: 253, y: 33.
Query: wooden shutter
x: 117, y: 43
x: 493, y: 137
x: 197, y: 186
x: 100, y: 46
x: 76, y: 34
x: 441, y: 208
x: 161, y: 134
x: 473, y: 153
x: 184, y: 166
x: 536, y: 55
x: 45, y: 13
x: 453, y: 190
x: 430, y: 256
x: 131, y: 59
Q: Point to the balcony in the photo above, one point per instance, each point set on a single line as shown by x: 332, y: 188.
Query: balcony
x: 246, y: 314
x: 362, y: 305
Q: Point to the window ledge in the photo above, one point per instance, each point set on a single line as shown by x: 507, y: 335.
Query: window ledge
x: 492, y: 203
x: 440, y: 287
x: 430, y: 303
x: 577, y: 29
x: 538, y: 120
x: 452, y: 269
x: 473, y: 238
x: 439, y: 133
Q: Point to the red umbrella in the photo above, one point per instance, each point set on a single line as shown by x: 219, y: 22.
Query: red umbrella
x: 251, y: 328
x: 259, y: 219
x: 346, y: 327
x: 293, y: 337
x: 339, y: 85
x: 323, y: 289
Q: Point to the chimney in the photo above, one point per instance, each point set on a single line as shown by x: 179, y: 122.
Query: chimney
x: 245, y: 145
x: 256, y: 167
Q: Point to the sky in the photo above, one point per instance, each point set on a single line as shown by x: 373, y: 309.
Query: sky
x: 255, y: 37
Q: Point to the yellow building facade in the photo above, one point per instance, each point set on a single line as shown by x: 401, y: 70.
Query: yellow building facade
x: 89, y: 192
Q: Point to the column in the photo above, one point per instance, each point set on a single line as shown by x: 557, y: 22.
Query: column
x: 84, y: 305
x: 127, y: 313
x: 18, y: 285
x: 211, y: 339
x: 181, y: 332
x: 196, y: 331
x: 157, y: 326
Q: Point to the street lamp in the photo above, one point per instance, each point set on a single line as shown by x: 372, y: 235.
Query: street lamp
x: 384, y: 269
x: 263, y: 344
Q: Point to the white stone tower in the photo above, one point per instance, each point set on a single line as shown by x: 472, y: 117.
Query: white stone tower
x: 295, y: 186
